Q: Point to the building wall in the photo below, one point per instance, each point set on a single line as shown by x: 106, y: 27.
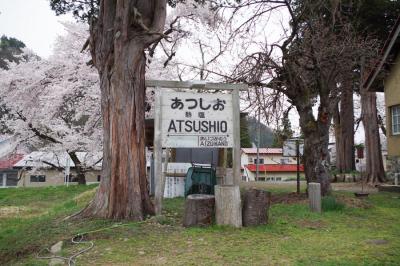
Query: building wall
x: 270, y: 176
x: 392, y: 97
x: 268, y: 159
x: 53, y: 177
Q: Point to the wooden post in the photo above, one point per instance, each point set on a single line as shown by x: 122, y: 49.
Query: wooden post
x: 228, y: 207
x: 236, y: 138
x: 165, y: 170
x: 314, y: 196
x: 199, y: 210
x: 158, y: 154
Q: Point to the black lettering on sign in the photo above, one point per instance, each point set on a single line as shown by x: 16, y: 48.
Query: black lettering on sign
x: 171, y: 126
x: 224, y: 126
x: 202, y: 126
x: 213, y: 141
x: 188, y: 126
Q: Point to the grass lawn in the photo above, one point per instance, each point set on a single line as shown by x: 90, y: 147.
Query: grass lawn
x: 359, y: 233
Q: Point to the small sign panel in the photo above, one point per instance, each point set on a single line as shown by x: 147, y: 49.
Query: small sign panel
x: 196, y: 120
x: 289, y: 148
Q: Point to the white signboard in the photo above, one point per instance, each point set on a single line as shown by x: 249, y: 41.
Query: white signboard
x: 289, y: 148
x: 196, y: 120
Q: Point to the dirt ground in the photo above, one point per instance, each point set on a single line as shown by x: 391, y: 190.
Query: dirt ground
x: 353, y: 187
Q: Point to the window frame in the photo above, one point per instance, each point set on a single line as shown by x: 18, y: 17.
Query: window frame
x: 39, y: 178
x: 392, y: 108
x: 261, y: 161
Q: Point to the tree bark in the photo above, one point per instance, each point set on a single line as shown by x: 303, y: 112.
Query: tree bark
x: 80, y: 174
x: 117, y: 42
x: 199, y: 210
x: 344, y: 132
x: 255, y: 207
x: 373, y: 152
x: 316, y: 140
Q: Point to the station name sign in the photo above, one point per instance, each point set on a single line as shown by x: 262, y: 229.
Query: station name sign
x: 196, y: 120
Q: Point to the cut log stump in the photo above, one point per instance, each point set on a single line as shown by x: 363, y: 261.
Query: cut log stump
x: 199, y: 210
x: 228, y: 208
x: 256, y: 203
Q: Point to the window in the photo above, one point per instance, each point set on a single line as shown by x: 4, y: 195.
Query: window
x: 284, y: 160
x: 395, y: 119
x: 261, y: 161
x: 250, y: 160
x: 38, y: 178
x: 98, y: 178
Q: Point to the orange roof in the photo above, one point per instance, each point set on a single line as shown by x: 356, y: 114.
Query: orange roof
x: 275, y: 167
x: 262, y: 150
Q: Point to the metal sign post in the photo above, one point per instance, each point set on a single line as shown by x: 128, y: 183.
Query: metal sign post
x: 194, y: 120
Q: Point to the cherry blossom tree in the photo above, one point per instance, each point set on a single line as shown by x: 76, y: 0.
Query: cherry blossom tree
x: 54, y: 104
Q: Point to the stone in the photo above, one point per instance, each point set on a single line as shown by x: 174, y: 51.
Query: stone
x: 314, y: 196
x: 56, y: 248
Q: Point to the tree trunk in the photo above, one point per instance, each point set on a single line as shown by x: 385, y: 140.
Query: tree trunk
x: 316, y: 140
x: 78, y: 168
x: 117, y: 42
x: 344, y: 132
x: 199, y: 210
x: 338, y: 139
x: 347, y: 129
x: 373, y: 152
x: 255, y: 207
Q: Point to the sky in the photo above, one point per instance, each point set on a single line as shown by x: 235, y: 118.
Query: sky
x: 33, y: 22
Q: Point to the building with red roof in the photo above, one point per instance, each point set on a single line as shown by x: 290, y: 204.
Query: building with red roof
x: 9, y: 175
x: 272, y: 165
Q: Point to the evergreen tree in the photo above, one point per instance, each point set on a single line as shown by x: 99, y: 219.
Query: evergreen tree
x: 10, y: 48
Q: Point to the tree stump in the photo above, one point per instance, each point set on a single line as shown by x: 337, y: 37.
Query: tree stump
x: 228, y: 209
x: 314, y: 195
x: 255, y: 207
x: 199, y: 210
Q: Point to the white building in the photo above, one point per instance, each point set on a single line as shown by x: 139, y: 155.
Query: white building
x: 272, y: 165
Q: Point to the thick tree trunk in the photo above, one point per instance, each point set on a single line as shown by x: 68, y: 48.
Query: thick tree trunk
x: 118, y: 39
x: 316, y: 140
x: 373, y: 153
x: 347, y: 130
x: 344, y: 132
x: 78, y: 168
x: 338, y: 139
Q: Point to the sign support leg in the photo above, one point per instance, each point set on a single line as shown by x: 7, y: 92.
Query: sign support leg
x: 236, y: 138
x: 158, y: 155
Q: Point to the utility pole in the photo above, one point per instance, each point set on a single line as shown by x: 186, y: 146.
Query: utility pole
x: 298, y: 165
x: 258, y: 145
